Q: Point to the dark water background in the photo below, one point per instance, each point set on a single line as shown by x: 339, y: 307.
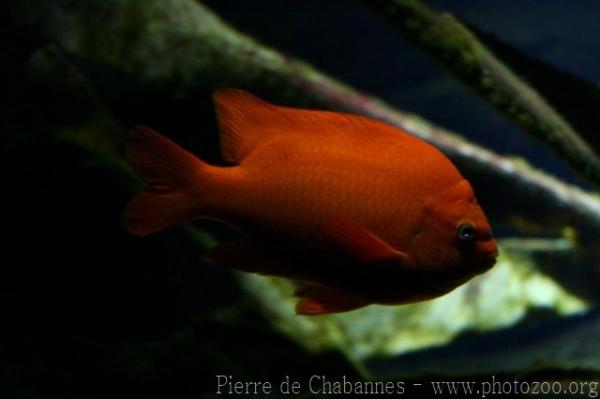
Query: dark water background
x: 88, y: 311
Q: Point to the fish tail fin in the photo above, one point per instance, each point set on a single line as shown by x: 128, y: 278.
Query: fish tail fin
x: 174, y: 178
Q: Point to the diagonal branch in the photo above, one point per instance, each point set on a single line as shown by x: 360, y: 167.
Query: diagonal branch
x: 186, y: 50
x: 450, y: 43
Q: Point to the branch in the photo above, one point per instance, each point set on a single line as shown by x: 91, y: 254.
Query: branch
x: 186, y: 50
x: 455, y: 47
x: 563, y: 343
x: 576, y: 99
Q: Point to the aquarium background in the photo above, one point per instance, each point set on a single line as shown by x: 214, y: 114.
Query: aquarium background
x: 89, y: 311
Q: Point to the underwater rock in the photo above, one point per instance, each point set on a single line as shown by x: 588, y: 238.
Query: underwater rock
x: 497, y: 299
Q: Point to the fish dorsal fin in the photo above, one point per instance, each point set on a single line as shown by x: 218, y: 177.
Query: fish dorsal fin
x: 245, y: 121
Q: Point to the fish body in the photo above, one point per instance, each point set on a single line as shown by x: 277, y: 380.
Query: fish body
x: 360, y: 211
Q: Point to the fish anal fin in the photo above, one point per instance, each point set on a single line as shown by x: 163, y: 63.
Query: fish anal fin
x: 317, y: 300
x: 360, y: 244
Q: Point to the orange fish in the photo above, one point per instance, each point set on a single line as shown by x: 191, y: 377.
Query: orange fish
x: 359, y: 211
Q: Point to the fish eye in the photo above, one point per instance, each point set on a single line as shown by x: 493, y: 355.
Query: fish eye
x: 466, y: 231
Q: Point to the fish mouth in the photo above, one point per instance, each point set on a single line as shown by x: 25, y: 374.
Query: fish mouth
x: 488, y: 251
x: 490, y: 260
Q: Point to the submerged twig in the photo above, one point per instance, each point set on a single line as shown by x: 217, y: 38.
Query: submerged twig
x: 560, y: 343
x: 538, y: 245
x: 183, y: 48
x: 452, y: 44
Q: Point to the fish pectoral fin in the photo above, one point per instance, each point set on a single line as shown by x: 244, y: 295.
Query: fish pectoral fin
x: 319, y: 299
x: 360, y: 244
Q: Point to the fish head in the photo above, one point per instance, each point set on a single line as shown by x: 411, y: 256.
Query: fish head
x: 455, y: 241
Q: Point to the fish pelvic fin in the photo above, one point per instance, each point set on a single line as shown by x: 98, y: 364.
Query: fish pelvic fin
x: 174, y: 183
x: 319, y: 299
